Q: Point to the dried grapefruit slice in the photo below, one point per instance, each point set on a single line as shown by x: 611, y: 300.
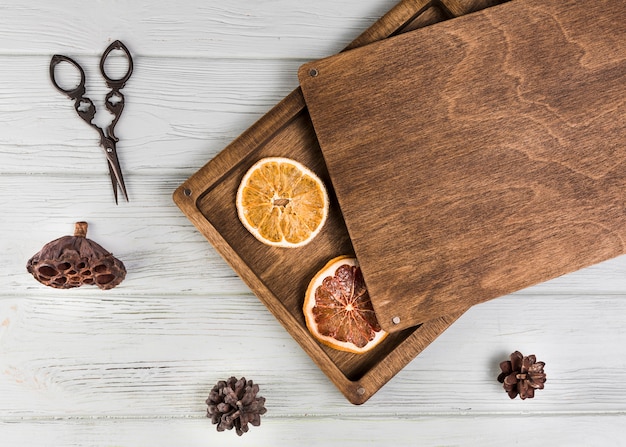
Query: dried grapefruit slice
x: 282, y: 203
x: 338, y: 310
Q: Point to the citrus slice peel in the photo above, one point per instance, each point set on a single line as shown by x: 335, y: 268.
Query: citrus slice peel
x: 282, y: 203
x: 338, y: 310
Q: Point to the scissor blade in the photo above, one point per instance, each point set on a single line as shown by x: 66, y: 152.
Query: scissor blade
x: 117, y: 174
x: 113, y: 181
x: 114, y: 167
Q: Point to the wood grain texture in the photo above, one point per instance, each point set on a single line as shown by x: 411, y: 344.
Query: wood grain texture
x: 158, y: 356
x: 208, y: 197
x: 160, y: 247
x: 178, y: 113
x: 132, y: 366
x: 278, y: 29
x: 582, y: 430
x: 479, y: 156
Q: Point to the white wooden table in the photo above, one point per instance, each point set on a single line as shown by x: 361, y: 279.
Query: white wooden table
x: 133, y: 366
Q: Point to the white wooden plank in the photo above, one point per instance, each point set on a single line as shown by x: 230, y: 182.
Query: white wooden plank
x: 120, y: 355
x: 345, y: 431
x: 116, y: 355
x: 179, y: 113
x: 162, y: 251
x: 237, y: 28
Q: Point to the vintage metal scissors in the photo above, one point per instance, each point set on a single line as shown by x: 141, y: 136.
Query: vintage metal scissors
x: 114, y: 102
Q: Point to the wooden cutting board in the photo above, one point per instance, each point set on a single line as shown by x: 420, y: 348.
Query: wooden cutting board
x: 479, y: 156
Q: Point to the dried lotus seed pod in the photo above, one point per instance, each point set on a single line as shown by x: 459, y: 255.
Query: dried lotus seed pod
x: 72, y: 261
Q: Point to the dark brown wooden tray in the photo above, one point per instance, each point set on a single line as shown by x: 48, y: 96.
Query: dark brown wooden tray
x: 279, y: 277
x: 479, y: 156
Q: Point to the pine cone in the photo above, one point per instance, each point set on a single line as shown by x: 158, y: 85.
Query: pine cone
x: 234, y: 403
x: 72, y: 261
x: 522, y: 375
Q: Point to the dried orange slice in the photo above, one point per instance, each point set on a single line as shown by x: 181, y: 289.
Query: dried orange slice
x: 338, y: 310
x: 282, y: 203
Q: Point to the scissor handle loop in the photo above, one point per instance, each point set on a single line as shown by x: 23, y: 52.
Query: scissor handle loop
x: 116, y: 83
x: 76, y: 92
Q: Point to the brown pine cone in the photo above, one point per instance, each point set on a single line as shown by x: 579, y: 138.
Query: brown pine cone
x: 234, y: 403
x: 72, y: 261
x: 522, y: 375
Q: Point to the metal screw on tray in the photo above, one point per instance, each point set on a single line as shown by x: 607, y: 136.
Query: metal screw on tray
x: 72, y: 261
x: 234, y: 404
x: 522, y: 375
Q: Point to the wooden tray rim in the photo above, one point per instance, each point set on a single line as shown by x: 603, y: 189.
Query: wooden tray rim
x: 187, y: 196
